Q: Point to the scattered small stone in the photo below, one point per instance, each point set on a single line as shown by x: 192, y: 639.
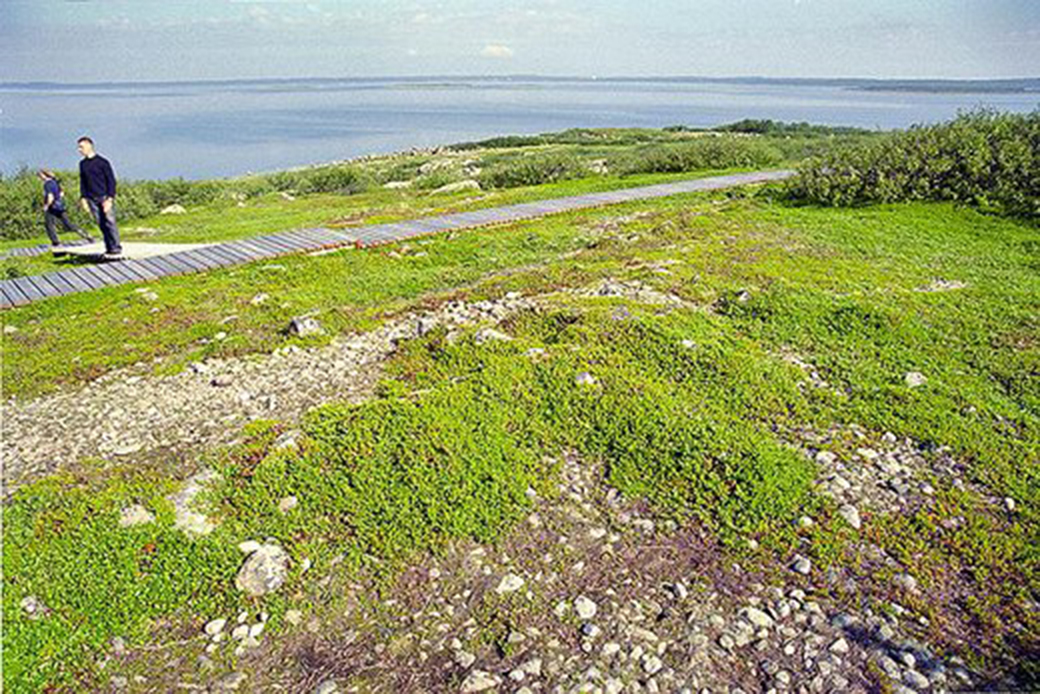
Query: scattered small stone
x: 585, y: 608
x: 465, y: 659
x: 327, y: 687
x: 915, y: 379
x: 651, y: 664
x: 479, y: 681
x: 585, y: 379
x: 303, y: 326
x: 805, y: 522
x: 1009, y: 504
x: 840, y: 647
x: 801, y: 565
x: 222, y: 380
x: 851, y: 515
x: 215, y: 626
x: 757, y: 617
x: 240, y: 632
x: 510, y: 583
x: 231, y: 681
x: 287, y: 504
x: 294, y: 617
x: 905, y: 581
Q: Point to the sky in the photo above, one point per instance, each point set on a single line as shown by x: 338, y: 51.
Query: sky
x: 144, y: 40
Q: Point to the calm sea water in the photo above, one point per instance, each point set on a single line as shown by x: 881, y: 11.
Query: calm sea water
x: 199, y: 130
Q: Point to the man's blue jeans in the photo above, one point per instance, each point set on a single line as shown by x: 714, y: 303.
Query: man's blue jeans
x: 106, y: 222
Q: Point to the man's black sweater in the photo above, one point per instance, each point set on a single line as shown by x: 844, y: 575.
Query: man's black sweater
x: 96, y: 178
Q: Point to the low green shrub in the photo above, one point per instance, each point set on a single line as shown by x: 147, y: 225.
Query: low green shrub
x: 701, y: 153
x: 533, y: 170
x: 983, y: 158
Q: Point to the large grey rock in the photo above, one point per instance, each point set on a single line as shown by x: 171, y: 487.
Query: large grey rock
x: 264, y: 571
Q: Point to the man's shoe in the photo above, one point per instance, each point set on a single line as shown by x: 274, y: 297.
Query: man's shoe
x: 59, y: 250
x: 118, y: 255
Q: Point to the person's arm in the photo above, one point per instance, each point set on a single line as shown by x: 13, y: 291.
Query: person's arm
x: 83, y: 189
x: 110, y: 186
x: 48, y: 201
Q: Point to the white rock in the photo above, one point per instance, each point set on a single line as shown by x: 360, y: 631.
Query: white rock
x: 585, y: 607
x: 215, y: 626
x: 801, y: 565
x: 851, y: 515
x: 651, y: 664
x: 240, y: 632
x: 510, y: 583
x: 915, y: 378
x: 288, y: 504
x: 397, y: 185
x: 294, y: 617
x: 134, y: 515
x: 264, y: 571
x: 905, y: 581
x: 757, y: 617
x: 840, y: 647
x: 585, y: 379
x: 230, y: 682
x: 256, y: 630
x: 465, y: 659
x: 173, y: 209
x: 327, y: 687
x: 249, y: 546
x: 479, y: 681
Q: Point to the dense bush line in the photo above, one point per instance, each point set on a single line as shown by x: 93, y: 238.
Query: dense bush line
x: 982, y: 158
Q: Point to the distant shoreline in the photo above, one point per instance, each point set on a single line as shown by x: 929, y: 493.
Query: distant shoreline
x: 1025, y: 85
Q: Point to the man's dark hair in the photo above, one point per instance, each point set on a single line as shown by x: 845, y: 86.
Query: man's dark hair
x: 85, y: 139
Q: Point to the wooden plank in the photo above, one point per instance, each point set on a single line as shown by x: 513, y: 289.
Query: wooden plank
x: 13, y: 293
x: 220, y: 259
x: 117, y: 269
x: 31, y: 292
x: 207, y: 262
x: 111, y: 278
x: 92, y: 276
x: 60, y: 282
x: 294, y: 244
x: 236, y: 253
x: 269, y: 249
x: 47, y: 288
x: 246, y: 248
x: 140, y: 268
x: 282, y: 247
x: 89, y: 279
x: 5, y: 303
x: 129, y: 267
x: 188, y: 258
x: 162, y: 267
x: 73, y: 279
x: 175, y: 260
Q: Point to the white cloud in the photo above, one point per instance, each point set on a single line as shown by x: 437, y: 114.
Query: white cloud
x: 497, y: 50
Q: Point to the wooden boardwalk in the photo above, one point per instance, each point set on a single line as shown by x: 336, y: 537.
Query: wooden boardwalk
x: 24, y: 290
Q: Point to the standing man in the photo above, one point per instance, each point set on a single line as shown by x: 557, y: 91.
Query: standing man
x: 97, y: 189
x: 54, y: 210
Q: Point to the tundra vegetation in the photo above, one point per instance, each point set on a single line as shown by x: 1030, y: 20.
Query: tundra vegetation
x: 901, y: 269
